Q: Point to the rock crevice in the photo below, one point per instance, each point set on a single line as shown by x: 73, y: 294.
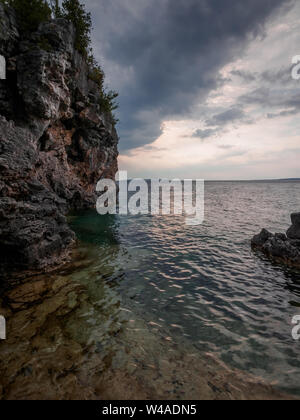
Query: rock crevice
x: 55, y: 143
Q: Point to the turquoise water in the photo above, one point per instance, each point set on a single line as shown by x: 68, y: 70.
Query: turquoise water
x: 203, y: 283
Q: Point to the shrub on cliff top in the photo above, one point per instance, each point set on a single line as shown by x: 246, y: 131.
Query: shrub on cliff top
x: 30, y: 13
x: 75, y: 12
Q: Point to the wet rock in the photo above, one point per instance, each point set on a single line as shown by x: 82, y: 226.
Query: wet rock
x: 281, y: 236
x: 261, y: 239
x: 281, y: 247
x: 295, y: 217
x: 55, y: 143
x: 294, y: 230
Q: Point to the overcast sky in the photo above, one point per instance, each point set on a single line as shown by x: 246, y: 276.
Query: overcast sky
x: 205, y: 85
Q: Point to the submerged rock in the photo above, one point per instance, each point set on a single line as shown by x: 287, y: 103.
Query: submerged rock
x: 55, y: 143
x: 281, y: 247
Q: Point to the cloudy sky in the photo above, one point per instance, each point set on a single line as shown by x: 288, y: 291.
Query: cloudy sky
x: 205, y: 85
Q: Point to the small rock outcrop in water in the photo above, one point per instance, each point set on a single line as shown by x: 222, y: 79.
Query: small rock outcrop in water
x: 281, y: 247
x: 55, y: 142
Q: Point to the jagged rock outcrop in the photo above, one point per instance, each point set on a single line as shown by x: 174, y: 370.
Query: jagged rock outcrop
x: 281, y: 247
x: 55, y: 143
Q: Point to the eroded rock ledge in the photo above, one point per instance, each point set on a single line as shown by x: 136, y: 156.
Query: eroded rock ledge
x: 55, y: 143
x: 281, y: 247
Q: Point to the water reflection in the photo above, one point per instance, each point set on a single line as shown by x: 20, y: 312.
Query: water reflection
x: 92, y: 229
x: 146, y: 297
x: 205, y: 279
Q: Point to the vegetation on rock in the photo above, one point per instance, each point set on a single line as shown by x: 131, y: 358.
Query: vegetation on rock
x: 30, y: 13
x: 74, y: 11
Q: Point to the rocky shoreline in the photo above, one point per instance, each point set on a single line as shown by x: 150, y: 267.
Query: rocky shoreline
x: 56, y: 142
x: 281, y: 247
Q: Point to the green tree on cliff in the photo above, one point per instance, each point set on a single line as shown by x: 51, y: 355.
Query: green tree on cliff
x: 30, y: 13
x: 54, y: 4
x: 75, y: 12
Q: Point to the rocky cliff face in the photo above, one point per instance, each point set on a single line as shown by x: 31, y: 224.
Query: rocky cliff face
x: 284, y: 248
x: 55, y: 143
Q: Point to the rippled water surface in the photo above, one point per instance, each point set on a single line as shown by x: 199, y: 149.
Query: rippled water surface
x: 200, y: 287
x: 204, y: 282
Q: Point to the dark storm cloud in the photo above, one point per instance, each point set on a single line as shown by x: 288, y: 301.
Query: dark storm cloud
x: 268, y: 77
x: 286, y: 113
x: 217, y: 123
x: 204, y: 134
x: 229, y: 116
x: 282, y: 76
x: 163, y: 55
x: 286, y: 102
x: 247, y: 76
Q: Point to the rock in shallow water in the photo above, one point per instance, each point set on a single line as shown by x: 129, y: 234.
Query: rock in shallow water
x: 261, y: 239
x: 294, y: 231
x: 281, y: 247
x: 295, y: 217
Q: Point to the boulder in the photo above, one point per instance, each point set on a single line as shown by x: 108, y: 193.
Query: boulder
x: 294, y: 231
x: 280, y: 247
x: 295, y: 217
x: 261, y: 239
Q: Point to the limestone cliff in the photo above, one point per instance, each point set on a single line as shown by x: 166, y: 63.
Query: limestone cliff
x: 55, y: 143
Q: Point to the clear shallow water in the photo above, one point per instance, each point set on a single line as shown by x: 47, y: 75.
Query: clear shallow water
x: 145, y: 299
x: 204, y: 284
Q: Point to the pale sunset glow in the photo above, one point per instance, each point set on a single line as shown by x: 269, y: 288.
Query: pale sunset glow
x: 238, y: 118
